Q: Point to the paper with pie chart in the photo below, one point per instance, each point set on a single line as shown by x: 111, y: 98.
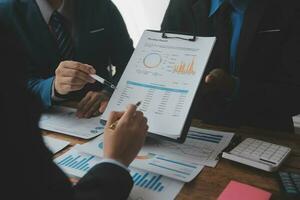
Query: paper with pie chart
x: 164, y: 74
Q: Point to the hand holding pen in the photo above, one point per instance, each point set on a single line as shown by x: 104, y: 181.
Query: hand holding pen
x: 114, y: 125
x: 123, y: 143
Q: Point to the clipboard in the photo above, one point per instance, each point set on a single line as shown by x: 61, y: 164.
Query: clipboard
x: 183, y: 58
x: 189, y: 118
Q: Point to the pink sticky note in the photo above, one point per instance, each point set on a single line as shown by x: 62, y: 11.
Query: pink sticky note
x: 240, y: 191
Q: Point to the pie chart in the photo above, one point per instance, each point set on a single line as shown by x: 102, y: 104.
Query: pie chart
x: 152, y: 60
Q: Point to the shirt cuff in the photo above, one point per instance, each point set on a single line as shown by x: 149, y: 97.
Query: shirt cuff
x: 114, y: 162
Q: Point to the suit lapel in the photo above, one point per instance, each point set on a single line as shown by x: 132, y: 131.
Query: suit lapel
x: 40, y: 34
x: 202, y: 23
x: 82, y: 18
x: 252, y: 18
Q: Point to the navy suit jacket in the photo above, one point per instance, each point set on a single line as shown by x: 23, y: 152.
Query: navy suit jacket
x: 31, y: 173
x: 267, y: 61
x: 110, y: 44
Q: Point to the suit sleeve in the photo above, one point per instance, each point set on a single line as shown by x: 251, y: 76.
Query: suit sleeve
x: 121, y: 43
x: 41, y: 88
x: 280, y: 95
x: 105, y: 180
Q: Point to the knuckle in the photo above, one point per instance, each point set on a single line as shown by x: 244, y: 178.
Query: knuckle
x: 72, y: 80
x: 58, y: 70
x: 70, y: 87
x: 90, y: 93
x: 139, y: 114
x: 76, y: 73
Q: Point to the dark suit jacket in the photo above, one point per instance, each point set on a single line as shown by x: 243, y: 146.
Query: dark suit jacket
x: 267, y: 61
x: 27, y: 168
x: 98, y: 49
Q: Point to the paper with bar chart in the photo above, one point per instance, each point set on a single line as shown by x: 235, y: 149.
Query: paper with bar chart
x: 76, y: 163
x: 63, y: 120
x: 202, y: 146
x: 150, y: 186
x: 175, y: 167
x: 177, y: 161
x: 147, y: 186
x: 164, y: 74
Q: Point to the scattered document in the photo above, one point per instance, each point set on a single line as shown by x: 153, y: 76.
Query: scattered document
x: 147, y: 186
x: 150, y: 186
x: 63, y: 120
x: 55, y: 145
x: 201, y: 146
x: 76, y: 163
x: 163, y: 73
x: 177, y: 161
x: 174, y: 167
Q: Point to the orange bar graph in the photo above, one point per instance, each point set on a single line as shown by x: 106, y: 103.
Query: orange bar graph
x: 184, y: 68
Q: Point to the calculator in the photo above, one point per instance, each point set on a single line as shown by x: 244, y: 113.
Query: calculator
x: 259, y: 154
x: 290, y: 184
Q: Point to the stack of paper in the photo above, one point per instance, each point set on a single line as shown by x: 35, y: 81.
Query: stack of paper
x: 147, y: 186
x: 161, y: 168
x: 181, y: 162
x: 63, y: 120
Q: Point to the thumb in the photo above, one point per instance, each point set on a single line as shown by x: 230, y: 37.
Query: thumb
x: 209, y: 78
x: 114, y: 116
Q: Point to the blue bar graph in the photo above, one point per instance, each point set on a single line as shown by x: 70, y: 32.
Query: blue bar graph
x: 205, y: 137
x: 148, y: 181
x: 76, y: 162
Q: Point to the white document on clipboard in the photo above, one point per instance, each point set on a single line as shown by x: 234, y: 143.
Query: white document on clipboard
x: 163, y: 73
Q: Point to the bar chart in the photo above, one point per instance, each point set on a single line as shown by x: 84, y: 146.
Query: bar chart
x: 79, y: 162
x: 149, y: 186
x: 208, y: 137
x: 148, y: 181
x: 75, y: 163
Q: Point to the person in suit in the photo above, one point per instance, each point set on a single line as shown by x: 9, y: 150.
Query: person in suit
x: 253, y: 75
x: 68, y: 40
x: 29, y: 172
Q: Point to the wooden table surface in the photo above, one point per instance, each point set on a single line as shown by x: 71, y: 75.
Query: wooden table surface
x: 211, y: 181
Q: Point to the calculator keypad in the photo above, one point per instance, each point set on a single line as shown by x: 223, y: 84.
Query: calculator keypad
x: 262, y: 151
x: 290, y: 182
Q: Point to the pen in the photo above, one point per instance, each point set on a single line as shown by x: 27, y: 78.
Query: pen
x: 103, y: 81
x: 114, y: 125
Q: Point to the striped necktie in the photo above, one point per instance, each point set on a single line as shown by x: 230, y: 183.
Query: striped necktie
x: 62, y: 35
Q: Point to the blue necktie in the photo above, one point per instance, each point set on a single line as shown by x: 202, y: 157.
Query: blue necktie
x: 62, y: 35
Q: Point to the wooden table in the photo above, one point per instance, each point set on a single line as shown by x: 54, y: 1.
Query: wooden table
x: 211, y: 181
